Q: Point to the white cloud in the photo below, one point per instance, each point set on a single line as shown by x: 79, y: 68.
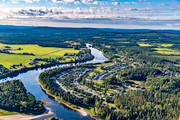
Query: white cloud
x: 87, y: 2
x: 31, y: 1
x: 66, y: 1
x: 14, y: 1
x: 93, y: 15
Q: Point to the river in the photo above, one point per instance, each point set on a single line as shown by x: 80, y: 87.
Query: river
x: 30, y: 80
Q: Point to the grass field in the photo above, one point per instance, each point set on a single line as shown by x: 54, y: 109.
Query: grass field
x: 144, y: 44
x: 8, y: 60
x: 108, y: 46
x: 167, y: 51
x: 38, y: 50
x: 165, y: 45
x: 96, y: 37
x: 4, y: 112
x: 123, y: 42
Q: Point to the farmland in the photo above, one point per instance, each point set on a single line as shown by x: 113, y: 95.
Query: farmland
x: 15, y: 57
x: 144, y: 45
x: 7, y: 59
x: 167, y: 51
x: 38, y: 50
x: 140, y: 79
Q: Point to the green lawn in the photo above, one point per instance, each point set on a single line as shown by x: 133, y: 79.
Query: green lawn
x: 4, y: 112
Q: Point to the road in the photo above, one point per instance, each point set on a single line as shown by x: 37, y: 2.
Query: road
x: 43, y: 55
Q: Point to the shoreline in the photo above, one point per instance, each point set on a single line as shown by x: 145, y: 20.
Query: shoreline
x: 26, y: 117
x: 82, y: 111
x: 26, y: 69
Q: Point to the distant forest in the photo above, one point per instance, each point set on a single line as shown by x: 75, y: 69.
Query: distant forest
x: 57, y: 37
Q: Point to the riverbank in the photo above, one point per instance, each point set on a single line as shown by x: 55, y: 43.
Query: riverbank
x: 30, y: 79
x: 26, y: 117
x: 81, y: 110
x: 15, y: 73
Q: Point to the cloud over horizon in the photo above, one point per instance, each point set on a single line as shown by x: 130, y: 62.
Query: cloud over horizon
x: 118, y: 12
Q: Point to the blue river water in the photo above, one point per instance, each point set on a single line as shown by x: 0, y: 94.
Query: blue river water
x: 30, y: 81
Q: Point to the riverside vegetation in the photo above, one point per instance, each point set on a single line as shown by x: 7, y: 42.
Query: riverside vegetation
x: 139, y: 81
x: 15, y: 99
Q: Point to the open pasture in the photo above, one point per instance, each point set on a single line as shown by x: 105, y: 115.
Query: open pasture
x: 38, y: 50
x: 144, y: 44
x: 167, y: 51
x: 8, y: 60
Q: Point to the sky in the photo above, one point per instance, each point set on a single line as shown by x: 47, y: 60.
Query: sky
x: 125, y: 14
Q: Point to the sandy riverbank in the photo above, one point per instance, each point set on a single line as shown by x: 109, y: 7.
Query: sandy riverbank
x: 81, y: 110
x: 26, y: 117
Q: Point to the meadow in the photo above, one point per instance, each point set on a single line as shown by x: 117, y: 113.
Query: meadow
x: 164, y: 49
x: 4, y: 112
x: 144, y: 44
x: 38, y: 50
x: 167, y: 51
x: 8, y: 60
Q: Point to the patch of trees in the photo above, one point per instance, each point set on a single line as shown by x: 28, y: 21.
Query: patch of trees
x: 7, y: 52
x: 14, y: 97
x: 141, y: 74
x: 84, y: 55
x: 3, y: 70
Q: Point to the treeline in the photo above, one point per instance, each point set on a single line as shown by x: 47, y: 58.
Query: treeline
x: 160, y: 101
x: 14, y: 97
x: 7, y: 52
x: 3, y: 70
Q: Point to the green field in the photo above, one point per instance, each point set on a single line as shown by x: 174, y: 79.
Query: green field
x: 4, y: 112
x: 8, y: 60
x: 38, y: 50
x: 165, y: 45
x: 144, y: 44
x: 167, y: 51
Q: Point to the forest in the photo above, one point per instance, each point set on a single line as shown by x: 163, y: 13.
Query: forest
x: 15, y: 98
x: 149, y: 87
x: 141, y: 79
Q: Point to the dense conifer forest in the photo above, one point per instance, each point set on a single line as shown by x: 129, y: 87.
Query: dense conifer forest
x: 15, y: 98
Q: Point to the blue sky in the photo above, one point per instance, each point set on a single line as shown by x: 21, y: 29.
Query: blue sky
x: 150, y: 14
